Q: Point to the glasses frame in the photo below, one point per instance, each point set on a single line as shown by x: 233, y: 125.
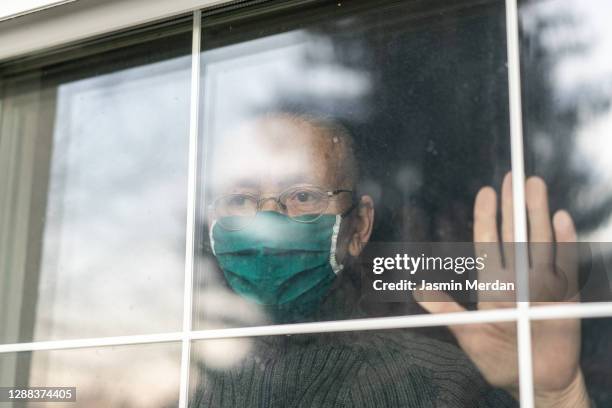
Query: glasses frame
x: 261, y: 199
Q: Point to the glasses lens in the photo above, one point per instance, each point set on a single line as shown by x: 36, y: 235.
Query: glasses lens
x: 304, y: 203
x: 235, y: 211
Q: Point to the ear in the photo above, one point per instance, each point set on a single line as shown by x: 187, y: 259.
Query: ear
x: 363, y: 222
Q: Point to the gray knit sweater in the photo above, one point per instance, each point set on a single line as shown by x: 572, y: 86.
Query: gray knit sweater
x: 368, y: 369
x: 373, y: 369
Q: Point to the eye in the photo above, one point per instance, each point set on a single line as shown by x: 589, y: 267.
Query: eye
x: 303, y: 196
x: 237, y: 200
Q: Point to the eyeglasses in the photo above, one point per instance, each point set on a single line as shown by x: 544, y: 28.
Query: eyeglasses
x: 302, y: 203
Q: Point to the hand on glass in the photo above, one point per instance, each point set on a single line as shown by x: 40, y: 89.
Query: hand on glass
x: 558, y: 381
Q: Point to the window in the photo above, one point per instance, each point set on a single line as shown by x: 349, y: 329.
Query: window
x: 94, y: 161
x: 192, y: 208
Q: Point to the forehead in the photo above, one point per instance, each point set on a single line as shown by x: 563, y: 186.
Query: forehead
x: 273, y: 153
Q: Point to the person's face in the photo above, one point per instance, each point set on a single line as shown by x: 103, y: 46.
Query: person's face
x: 267, y: 156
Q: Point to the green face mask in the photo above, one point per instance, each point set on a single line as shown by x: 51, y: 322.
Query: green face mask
x: 280, y: 263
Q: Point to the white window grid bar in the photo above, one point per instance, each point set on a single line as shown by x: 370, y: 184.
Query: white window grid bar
x: 522, y: 315
x: 525, y: 358
x: 547, y: 312
x: 192, y: 183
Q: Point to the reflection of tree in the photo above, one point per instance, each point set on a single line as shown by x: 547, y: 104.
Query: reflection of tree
x: 435, y: 126
x: 551, y: 125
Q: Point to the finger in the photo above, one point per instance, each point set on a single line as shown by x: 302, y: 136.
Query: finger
x: 545, y: 285
x: 536, y: 196
x: 567, y: 252
x: 507, y: 208
x: 565, y: 231
x: 485, y: 227
x: 485, y: 212
x: 494, y: 267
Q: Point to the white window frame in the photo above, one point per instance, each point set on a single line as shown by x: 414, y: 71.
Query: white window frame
x: 77, y: 21
x: 84, y: 19
x: 19, y: 8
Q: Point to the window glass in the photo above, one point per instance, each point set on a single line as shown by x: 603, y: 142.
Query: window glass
x: 394, y: 368
x: 568, y: 122
x: 100, y: 375
x: 379, y: 120
x: 93, y: 180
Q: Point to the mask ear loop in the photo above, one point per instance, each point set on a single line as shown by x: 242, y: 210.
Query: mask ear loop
x: 336, y: 267
x: 333, y: 261
x: 210, y: 237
